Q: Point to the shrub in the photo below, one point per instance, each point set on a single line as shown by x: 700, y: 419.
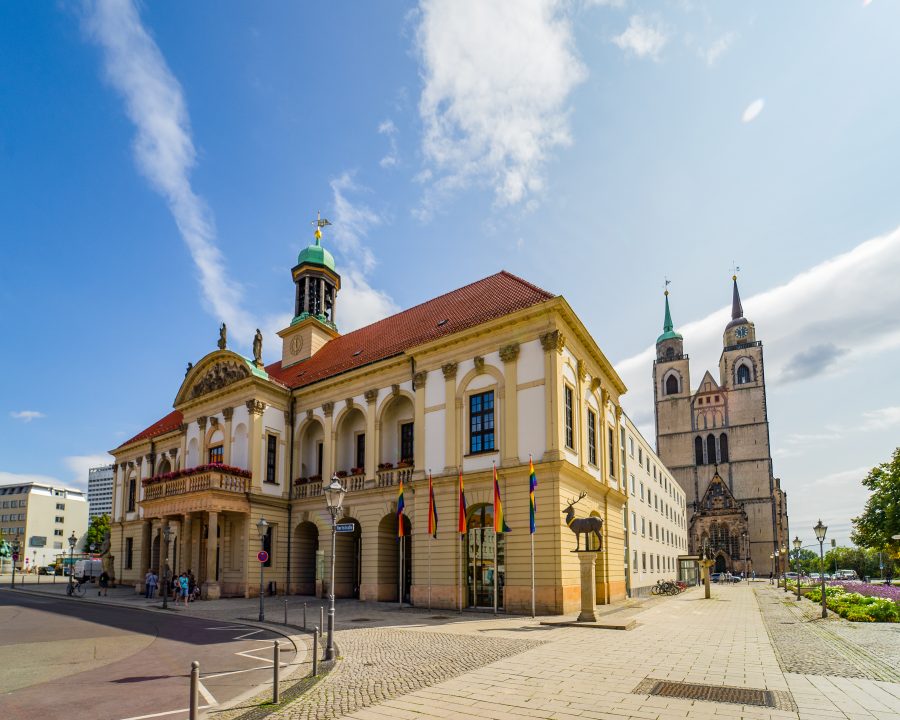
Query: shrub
x: 858, y: 615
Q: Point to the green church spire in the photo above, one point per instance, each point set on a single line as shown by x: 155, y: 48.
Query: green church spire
x: 668, y: 326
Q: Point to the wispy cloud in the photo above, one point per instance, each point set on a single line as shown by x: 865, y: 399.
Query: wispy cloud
x: 712, y: 54
x: 642, y: 38
x: 882, y: 418
x: 26, y: 415
x: 360, y: 303
x: 80, y: 464
x: 163, y: 147
x: 497, y: 77
x: 752, y: 111
x: 11, y: 478
x: 834, y: 298
x: 389, y: 130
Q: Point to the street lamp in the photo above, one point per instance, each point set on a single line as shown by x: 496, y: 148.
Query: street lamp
x: 15, y: 549
x: 820, y: 531
x: 167, y: 534
x: 261, y: 528
x: 334, y: 499
x: 784, y: 567
x: 775, y: 568
x: 73, y: 541
x: 797, y: 544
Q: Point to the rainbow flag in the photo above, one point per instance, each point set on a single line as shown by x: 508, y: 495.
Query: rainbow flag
x: 462, y: 507
x: 400, y: 505
x: 500, y: 525
x: 432, y: 510
x: 532, y: 484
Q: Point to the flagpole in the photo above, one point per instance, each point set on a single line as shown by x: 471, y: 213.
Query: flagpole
x: 532, y: 576
x: 429, y: 573
x: 400, y: 595
x: 459, y: 549
x: 496, y: 568
x: 531, y: 510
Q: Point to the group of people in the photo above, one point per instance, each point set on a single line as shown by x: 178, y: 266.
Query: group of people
x: 180, y: 587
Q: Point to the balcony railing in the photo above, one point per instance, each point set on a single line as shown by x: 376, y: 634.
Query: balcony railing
x: 393, y: 476
x: 312, y: 487
x: 197, y: 482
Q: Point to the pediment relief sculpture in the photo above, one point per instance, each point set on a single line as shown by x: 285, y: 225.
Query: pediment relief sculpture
x: 218, y: 376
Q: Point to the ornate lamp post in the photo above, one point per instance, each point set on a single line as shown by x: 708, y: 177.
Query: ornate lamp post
x: 334, y: 499
x: 775, y: 568
x: 785, y: 566
x: 820, y: 531
x: 73, y: 541
x: 167, y: 534
x: 15, y: 549
x: 261, y: 528
x: 743, y: 547
x: 797, y: 544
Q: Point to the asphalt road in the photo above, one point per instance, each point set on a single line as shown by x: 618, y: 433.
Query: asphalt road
x: 65, y: 659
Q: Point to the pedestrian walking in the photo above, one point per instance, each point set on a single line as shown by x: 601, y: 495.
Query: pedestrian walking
x: 104, y: 583
x: 183, y: 581
x: 149, y: 584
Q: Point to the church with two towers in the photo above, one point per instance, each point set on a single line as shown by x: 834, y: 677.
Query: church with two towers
x: 714, y: 438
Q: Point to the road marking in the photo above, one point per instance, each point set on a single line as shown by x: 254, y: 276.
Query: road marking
x: 207, y: 695
x: 161, y: 714
x: 252, y: 632
x: 237, y: 672
x: 229, y: 627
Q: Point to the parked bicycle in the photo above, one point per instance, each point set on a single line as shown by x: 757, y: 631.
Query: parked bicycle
x: 665, y: 587
x: 76, y: 589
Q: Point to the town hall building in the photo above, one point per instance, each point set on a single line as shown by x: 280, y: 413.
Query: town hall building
x: 488, y: 375
x: 714, y: 439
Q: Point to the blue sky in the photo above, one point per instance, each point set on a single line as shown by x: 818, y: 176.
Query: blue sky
x: 160, y: 165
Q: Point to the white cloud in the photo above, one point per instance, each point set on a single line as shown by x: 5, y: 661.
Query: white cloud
x: 80, y: 464
x: 642, y: 38
x: 883, y: 418
x: 753, y: 110
x: 360, y: 304
x: 497, y: 77
x: 26, y: 415
x: 605, y: 3
x: 833, y: 299
x: 9, y: 478
x: 389, y: 130
x: 712, y: 54
x: 163, y: 148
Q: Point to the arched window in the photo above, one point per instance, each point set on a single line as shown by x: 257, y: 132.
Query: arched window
x: 711, y: 449
x: 723, y: 447
x: 132, y: 494
x: 743, y: 374
x: 672, y: 385
x: 698, y: 450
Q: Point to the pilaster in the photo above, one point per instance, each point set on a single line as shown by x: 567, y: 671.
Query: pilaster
x: 553, y: 344
x: 201, y: 423
x: 210, y: 589
x: 372, y: 440
x: 451, y: 452
x: 328, y: 442
x: 509, y: 354
x: 255, y: 408
x: 419, y: 380
x: 227, y: 413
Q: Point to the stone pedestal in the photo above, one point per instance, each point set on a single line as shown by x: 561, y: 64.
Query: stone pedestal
x: 588, y: 587
x: 705, y: 566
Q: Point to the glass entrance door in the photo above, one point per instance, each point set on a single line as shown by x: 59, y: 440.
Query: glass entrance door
x: 485, y: 556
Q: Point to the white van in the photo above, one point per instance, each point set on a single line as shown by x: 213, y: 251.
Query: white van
x: 846, y: 575
x: 89, y: 568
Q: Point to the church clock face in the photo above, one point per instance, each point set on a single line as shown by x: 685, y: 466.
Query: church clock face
x: 296, y: 344
x: 741, y: 332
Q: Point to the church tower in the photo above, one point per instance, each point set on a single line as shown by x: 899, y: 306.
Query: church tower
x: 316, y: 286
x: 715, y: 441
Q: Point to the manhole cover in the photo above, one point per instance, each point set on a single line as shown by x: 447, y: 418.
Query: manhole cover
x: 361, y: 620
x: 717, y: 693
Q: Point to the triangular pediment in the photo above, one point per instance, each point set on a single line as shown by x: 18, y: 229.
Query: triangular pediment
x: 215, y: 371
x: 707, y: 385
x: 718, y: 498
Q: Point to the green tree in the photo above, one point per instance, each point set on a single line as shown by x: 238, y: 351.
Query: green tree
x: 97, y: 530
x: 880, y: 519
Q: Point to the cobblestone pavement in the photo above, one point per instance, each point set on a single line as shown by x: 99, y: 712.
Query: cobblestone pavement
x: 807, y: 643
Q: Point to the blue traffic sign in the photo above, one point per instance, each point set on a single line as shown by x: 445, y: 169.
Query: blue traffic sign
x: 346, y: 527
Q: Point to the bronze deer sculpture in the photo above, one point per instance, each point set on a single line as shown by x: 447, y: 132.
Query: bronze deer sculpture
x: 586, y: 525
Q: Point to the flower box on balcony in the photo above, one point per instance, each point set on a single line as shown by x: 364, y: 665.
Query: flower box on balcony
x: 385, y: 466
x: 404, y: 464
x: 357, y: 471
x: 301, y: 481
x: 341, y: 473
x: 187, y: 472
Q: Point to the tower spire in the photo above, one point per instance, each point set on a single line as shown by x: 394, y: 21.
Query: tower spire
x: 737, y: 310
x: 668, y: 326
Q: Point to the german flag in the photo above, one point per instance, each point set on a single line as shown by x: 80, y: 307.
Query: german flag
x: 432, y: 510
x: 462, y: 507
x: 400, y: 505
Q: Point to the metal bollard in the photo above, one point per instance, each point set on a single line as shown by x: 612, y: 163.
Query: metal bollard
x: 321, y: 619
x: 195, y: 691
x: 315, y: 667
x: 285, y: 612
x: 304, y: 616
x: 276, y: 668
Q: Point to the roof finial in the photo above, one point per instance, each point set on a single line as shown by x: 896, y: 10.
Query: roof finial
x: 666, y: 286
x: 737, y: 310
x: 319, y: 223
x: 735, y: 269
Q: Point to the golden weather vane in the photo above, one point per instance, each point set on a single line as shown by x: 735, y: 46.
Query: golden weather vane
x: 735, y: 269
x: 319, y: 223
x: 666, y: 286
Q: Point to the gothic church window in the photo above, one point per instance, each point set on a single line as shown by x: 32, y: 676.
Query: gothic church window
x: 711, y: 449
x: 723, y: 448
x: 671, y: 385
x: 698, y: 450
x: 743, y: 374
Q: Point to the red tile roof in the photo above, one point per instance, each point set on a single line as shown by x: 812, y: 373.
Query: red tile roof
x: 170, y: 422
x: 487, y: 299
x: 492, y: 297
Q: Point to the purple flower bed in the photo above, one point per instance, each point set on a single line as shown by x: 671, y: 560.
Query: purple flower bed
x: 889, y: 592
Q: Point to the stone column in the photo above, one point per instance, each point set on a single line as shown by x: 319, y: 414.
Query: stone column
x: 184, y: 554
x: 117, y: 495
x: 553, y: 344
x: 256, y: 408
x: 603, y: 429
x: 183, y: 429
x: 588, y: 587
x: 227, y: 413
x: 373, y: 442
x: 138, y: 486
x: 328, y: 442
x: 201, y: 423
x: 146, y: 543
x: 210, y: 587
x: 419, y: 380
x: 288, y: 476
x: 450, y: 449
x: 509, y: 354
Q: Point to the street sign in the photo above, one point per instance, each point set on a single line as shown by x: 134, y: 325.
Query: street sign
x: 15, y: 557
x: 262, y: 556
x: 346, y: 527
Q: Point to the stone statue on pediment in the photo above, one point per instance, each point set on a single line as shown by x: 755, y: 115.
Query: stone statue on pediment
x: 223, y: 336
x: 257, y: 348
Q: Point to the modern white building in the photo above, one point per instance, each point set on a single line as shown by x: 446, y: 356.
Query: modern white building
x: 100, y: 491
x: 42, y: 517
x: 655, y: 515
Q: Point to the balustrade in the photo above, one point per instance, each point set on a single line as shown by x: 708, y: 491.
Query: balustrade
x: 206, y: 480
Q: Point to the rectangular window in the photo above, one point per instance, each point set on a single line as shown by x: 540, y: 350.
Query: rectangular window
x: 592, y: 437
x: 216, y: 455
x: 319, y: 450
x: 59, y: 519
x: 640, y: 455
x: 60, y: 506
x: 642, y: 490
x: 129, y: 552
x: 632, y: 484
x: 57, y: 546
x: 635, y: 565
x: 644, y: 561
x: 634, y: 522
x: 612, y: 452
x: 643, y: 527
x: 267, y: 546
x: 481, y: 422
x: 407, y: 448
x: 58, y: 532
x: 361, y: 451
x: 271, y: 457
x: 651, y: 562
x: 570, y: 431
x: 631, y: 446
